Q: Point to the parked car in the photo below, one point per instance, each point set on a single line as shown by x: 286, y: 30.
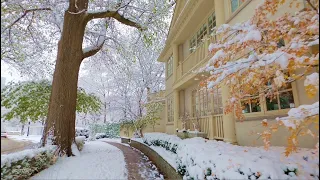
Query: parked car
x: 4, y: 134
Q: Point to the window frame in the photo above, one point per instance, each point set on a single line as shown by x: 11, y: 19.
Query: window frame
x: 263, y: 104
x: 217, y: 100
x: 170, y: 66
x: 170, y: 113
x: 239, y: 4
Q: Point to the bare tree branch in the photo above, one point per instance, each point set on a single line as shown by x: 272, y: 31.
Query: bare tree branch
x: 312, y: 6
x: 24, y: 14
x: 114, y: 15
x: 92, y: 51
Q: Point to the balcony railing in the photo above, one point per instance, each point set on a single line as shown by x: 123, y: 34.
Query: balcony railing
x: 199, y: 55
x: 211, y: 125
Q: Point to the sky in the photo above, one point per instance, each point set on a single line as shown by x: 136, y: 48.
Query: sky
x: 9, y: 73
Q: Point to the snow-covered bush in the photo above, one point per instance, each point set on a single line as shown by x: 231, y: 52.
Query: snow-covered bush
x: 24, y: 164
x: 111, y: 130
x: 82, y: 132
x: 80, y: 141
x: 100, y: 135
x: 198, y: 158
x: 169, y: 142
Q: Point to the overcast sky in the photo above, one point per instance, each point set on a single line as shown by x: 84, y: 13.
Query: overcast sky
x: 9, y: 73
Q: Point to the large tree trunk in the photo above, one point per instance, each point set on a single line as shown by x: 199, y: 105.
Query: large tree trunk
x: 62, y: 106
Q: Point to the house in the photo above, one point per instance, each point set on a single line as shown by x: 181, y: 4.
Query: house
x: 159, y: 126
x: 187, y: 49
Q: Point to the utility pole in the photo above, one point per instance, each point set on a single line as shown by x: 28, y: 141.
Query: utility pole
x: 28, y: 128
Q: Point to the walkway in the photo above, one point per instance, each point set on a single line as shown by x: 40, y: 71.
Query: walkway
x: 10, y: 145
x: 138, y: 165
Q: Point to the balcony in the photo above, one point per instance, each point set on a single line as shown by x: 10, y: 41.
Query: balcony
x: 194, y: 60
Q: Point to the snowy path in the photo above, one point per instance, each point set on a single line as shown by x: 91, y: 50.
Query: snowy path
x: 139, y: 166
x: 98, y: 160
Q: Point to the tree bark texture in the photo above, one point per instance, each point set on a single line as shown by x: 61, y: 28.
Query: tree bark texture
x: 62, y: 106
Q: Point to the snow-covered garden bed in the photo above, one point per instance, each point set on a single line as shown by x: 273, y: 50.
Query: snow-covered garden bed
x: 197, y: 158
x: 23, y: 164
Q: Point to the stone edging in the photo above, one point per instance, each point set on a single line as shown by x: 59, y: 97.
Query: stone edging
x: 168, y: 171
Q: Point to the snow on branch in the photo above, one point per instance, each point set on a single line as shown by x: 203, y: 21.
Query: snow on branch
x: 92, y: 50
x: 24, y: 14
x: 115, y: 15
x: 296, y: 115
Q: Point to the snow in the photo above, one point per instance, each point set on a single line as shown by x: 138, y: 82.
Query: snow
x: 169, y: 156
x: 117, y: 140
x: 98, y: 160
x: 296, y: 115
x: 32, y: 138
x: 30, y: 153
x: 315, y: 42
x: 145, y: 171
x: 312, y: 79
x: 227, y: 161
x: 75, y: 150
x: 80, y: 139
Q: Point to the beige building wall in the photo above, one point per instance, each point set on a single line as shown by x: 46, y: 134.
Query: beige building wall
x: 188, y: 18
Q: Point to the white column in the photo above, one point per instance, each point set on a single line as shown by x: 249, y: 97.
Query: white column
x: 175, y: 61
x: 176, y: 109
x: 228, y: 119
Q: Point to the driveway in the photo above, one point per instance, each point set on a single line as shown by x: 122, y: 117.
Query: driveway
x: 9, y: 145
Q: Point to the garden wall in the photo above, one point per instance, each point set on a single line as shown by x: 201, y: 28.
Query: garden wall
x: 168, y: 171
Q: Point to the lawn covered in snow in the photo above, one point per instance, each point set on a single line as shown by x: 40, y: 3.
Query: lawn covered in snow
x: 197, y: 158
x: 32, y: 138
x: 97, y: 160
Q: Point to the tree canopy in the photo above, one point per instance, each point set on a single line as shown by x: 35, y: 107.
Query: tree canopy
x: 29, y: 101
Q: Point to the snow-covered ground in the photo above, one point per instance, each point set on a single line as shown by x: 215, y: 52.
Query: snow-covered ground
x: 210, y: 159
x: 32, y: 138
x: 97, y: 160
x: 117, y: 140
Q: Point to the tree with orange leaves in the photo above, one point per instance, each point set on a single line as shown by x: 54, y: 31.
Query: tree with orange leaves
x: 259, y: 57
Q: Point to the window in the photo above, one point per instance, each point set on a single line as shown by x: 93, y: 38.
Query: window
x: 169, y: 66
x: 201, y: 102
x: 201, y: 34
x: 212, y: 23
x: 235, y: 4
x: 282, y: 100
x: 195, y: 106
x: 170, y: 109
x: 217, y: 102
x: 251, y: 105
x: 192, y: 44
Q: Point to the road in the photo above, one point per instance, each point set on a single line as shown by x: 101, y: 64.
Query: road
x: 9, y: 145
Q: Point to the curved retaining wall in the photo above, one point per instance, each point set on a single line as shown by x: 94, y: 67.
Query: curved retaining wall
x: 166, y: 169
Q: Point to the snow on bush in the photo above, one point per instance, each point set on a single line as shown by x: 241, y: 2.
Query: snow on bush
x: 80, y: 141
x: 82, y: 132
x: 24, y: 164
x: 100, y: 135
x: 166, y: 141
x: 110, y: 130
x: 198, y: 158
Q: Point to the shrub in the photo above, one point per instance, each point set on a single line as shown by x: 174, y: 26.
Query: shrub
x: 100, y: 135
x: 111, y: 130
x: 82, y: 132
x: 198, y: 158
x: 80, y: 141
x: 24, y: 164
